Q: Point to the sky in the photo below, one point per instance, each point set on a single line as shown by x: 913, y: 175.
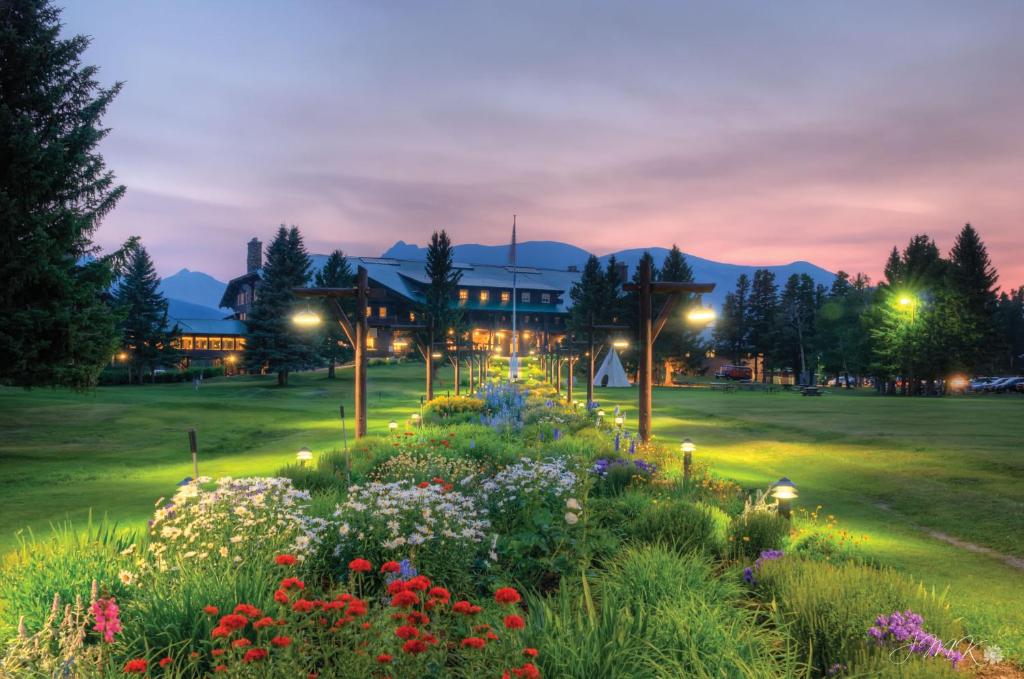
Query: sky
x: 745, y: 132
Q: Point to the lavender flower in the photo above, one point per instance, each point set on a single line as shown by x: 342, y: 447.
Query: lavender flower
x: 906, y: 629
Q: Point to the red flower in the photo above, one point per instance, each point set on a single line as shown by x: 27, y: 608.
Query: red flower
x: 383, y: 658
x: 241, y: 643
x: 405, y: 599
x: 507, y: 595
x: 254, y: 654
x: 391, y: 567
x: 220, y: 631
x: 407, y: 632
x: 303, y: 606
x: 246, y: 609
x: 357, y: 607
x: 360, y: 565
x: 164, y: 662
x: 397, y: 586
x: 136, y: 666
x: 220, y: 668
x: 420, y: 583
x: 217, y: 652
x: 211, y: 610
x: 441, y: 594
x: 514, y: 622
x: 292, y: 583
x: 414, y: 646
x: 474, y: 642
x: 285, y: 560
x: 423, y: 484
x: 417, y: 618
x: 530, y: 652
x: 234, y: 621
x: 465, y: 608
x: 281, y: 642
x: 492, y: 636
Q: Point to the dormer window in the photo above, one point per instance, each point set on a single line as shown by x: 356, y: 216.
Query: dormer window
x: 526, y: 297
x: 484, y: 296
x: 545, y: 298
x: 463, y: 295
x: 506, y: 296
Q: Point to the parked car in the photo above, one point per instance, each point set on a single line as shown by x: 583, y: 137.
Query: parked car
x: 979, y: 383
x: 735, y: 372
x: 1009, y: 384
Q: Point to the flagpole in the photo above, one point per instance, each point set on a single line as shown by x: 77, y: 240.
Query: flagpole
x: 513, y: 361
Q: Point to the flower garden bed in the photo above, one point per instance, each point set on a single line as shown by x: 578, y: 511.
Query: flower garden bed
x: 510, y: 536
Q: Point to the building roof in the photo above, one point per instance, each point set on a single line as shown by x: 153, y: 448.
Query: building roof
x: 407, y: 277
x: 227, y: 300
x: 208, y: 326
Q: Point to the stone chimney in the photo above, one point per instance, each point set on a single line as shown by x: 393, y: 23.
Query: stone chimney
x: 254, y: 256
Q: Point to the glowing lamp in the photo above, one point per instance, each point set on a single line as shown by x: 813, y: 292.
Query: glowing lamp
x: 306, y: 318
x: 621, y: 344
x: 415, y: 418
x: 436, y: 354
x: 619, y: 421
x: 701, y: 315
x: 392, y: 426
x: 784, y: 489
x: 906, y: 300
x: 687, y: 446
x: 304, y: 455
x: 600, y: 414
x: 123, y: 356
x: 958, y: 383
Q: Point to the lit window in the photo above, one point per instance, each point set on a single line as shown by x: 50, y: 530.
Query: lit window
x: 545, y: 298
x: 202, y: 344
x: 412, y: 316
x: 186, y: 343
x: 240, y: 343
x: 526, y: 297
x: 463, y: 295
x: 506, y: 296
x: 485, y: 295
x: 215, y: 344
x: 229, y: 344
x: 382, y: 312
x: 371, y: 343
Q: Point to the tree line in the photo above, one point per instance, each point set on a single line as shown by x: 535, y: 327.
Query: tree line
x: 931, y: 317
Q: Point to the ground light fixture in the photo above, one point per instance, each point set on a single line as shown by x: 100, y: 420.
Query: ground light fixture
x: 415, y: 419
x: 306, y: 318
x: 784, y: 491
x: 392, y: 426
x: 687, y: 447
x: 600, y: 416
x: 619, y: 421
x: 304, y: 456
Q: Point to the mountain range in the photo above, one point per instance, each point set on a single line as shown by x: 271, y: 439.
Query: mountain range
x: 194, y: 294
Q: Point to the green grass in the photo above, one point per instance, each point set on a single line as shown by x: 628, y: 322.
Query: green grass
x: 886, y: 467
x: 890, y: 468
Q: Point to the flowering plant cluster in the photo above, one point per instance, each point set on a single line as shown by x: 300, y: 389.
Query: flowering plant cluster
x: 605, y: 465
x: 238, y: 520
x: 417, y: 625
x: 905, y: 629
x: 418, y: 463
x: 503, y: 405
x: 750, y: 572
x: 528, y: 484
x: 434, y: 525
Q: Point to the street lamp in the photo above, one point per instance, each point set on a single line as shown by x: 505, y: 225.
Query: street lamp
x: 783, y: 491
x: 306, y: 318
x: 304, y: 456
x: 701, y: 314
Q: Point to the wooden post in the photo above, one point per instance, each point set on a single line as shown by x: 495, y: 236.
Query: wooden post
x: 590, y: 371
x: 568, y: 382
x: 558, y: 375
x: 646, y: 352
x: 362, y: 330
x: 458, y: 362
x: 428, y: 356
x: 194, y: 447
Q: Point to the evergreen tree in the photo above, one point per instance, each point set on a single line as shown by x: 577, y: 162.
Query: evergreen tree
x: 614, y: 299
x: 840, y: 333
x: 437, y: 311
x: 146, y: 338
x: 731, y: 332
x: 763, y: 319
x: 273, y: 343
x: 797, y: 309
x: 56, y: 327
x: 588, y: 308
x: 1009, y: 318
x: 973, y: 277
x: 679, y: 346
x: 336, y: 273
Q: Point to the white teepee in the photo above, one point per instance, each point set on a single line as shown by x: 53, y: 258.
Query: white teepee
x: 611, y: 373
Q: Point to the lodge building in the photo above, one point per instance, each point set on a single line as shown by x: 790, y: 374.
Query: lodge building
x: 484, y: 295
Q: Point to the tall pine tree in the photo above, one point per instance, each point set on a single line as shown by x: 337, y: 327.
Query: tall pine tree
x: 55, y: 326
x: 146, y: 337
x: 732, y: 332
x: 763, y: 320
x: 679, y: 346
x: 973, y: 277
x: 588, y: 308
x: 336, y: 273
x: 437, y: 311
x: 273, y: 343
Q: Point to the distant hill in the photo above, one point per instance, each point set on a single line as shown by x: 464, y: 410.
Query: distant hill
x: 194, y: 287
x: 556, y: 255
x: 177, y: 308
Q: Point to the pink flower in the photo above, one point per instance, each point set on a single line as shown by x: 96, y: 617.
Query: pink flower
x: 108, y: 620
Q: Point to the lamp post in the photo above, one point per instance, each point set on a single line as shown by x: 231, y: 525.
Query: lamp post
x: 783, y: 491
x: 304, y: 456
x: 649, y: 330
x: 688, y: 448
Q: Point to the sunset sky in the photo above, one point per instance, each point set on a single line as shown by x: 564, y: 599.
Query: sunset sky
x: 753, y: 132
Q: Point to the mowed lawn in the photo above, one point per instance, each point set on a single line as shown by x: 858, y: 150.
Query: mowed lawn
x: 890, y: 468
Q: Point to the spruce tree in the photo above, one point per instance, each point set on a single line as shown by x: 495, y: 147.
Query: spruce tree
x: 146, y: 338
x: 273, y: 343
x: 798, y: 307
x: 679, y: 346
x: 588, y: 308
x: 437, y: 310
x: 732, y: 331
x: 973, y: 277
x: 55, y: 326
x: 763, y: 323
x: 336, y: 273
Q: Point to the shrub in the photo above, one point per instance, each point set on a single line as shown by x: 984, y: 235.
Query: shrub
x: 526, y: 487
x: 329, y: 473
x: 457, y: 408
x: 829, y: 607
x: 423, y: 466
x: 677, y: 524
x: 754, y: 532
x: 616, y: 474
x: 439, y: 529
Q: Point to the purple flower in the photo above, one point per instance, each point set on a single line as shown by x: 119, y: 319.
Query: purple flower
x: 748, y: 576
x: 906, y: 629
